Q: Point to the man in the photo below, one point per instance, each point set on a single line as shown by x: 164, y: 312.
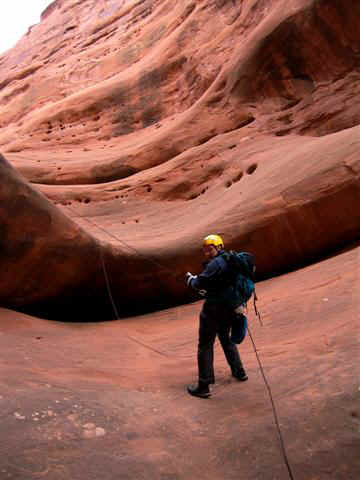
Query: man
x: 216, y: 316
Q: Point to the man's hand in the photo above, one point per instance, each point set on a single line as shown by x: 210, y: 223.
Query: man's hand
x: 188, y: 277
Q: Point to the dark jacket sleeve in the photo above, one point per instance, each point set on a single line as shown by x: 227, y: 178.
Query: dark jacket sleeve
x: 209, y: 277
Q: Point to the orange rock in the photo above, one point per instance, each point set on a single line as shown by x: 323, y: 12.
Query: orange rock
x: 155, y: 123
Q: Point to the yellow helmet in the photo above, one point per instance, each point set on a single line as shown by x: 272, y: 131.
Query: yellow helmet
x: 215, y: 240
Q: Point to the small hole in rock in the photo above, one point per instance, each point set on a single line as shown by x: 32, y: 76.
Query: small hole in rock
x: 251, y: 169
x: 193, y: 196
x: 238, y: 177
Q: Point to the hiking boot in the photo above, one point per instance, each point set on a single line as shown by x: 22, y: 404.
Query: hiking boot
x: 241, y: 376
x: 200, y: 390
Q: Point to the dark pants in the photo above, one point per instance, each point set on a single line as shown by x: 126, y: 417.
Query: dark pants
x: 215, y: 320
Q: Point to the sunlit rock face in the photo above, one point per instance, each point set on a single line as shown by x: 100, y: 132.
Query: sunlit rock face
x: 153, y: 123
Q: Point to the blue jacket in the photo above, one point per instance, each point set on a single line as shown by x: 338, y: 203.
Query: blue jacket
x: 216, y: 280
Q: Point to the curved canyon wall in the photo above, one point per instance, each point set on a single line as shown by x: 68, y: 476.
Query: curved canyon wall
x: 148, y: 124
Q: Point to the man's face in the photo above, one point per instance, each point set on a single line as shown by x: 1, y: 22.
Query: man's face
x: 210, y: 251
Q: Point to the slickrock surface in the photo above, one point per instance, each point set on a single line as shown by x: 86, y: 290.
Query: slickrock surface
x: 107, y: 400
x: 162, y: 121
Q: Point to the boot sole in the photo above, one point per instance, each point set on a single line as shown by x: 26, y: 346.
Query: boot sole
x: 241, y: 379
x: 199, y: 395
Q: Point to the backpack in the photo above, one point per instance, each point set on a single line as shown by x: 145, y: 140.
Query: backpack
x: 242, y: 262
x: 241, y: 271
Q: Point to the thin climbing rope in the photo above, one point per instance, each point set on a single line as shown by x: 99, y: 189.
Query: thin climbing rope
x: 282, y: 444
x: 116, y: 310
x: 277, y: 424
x: 125, y: 244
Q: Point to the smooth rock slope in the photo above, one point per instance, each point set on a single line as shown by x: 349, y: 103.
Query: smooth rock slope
x: 161, y: 121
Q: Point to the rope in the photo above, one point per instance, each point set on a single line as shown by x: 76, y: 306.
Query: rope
x: 256, y: 310
x: 108, y: 285
x: 116, y: 310
x: 282, y: 445
x: 107, y: 281
x: 126, y: 245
